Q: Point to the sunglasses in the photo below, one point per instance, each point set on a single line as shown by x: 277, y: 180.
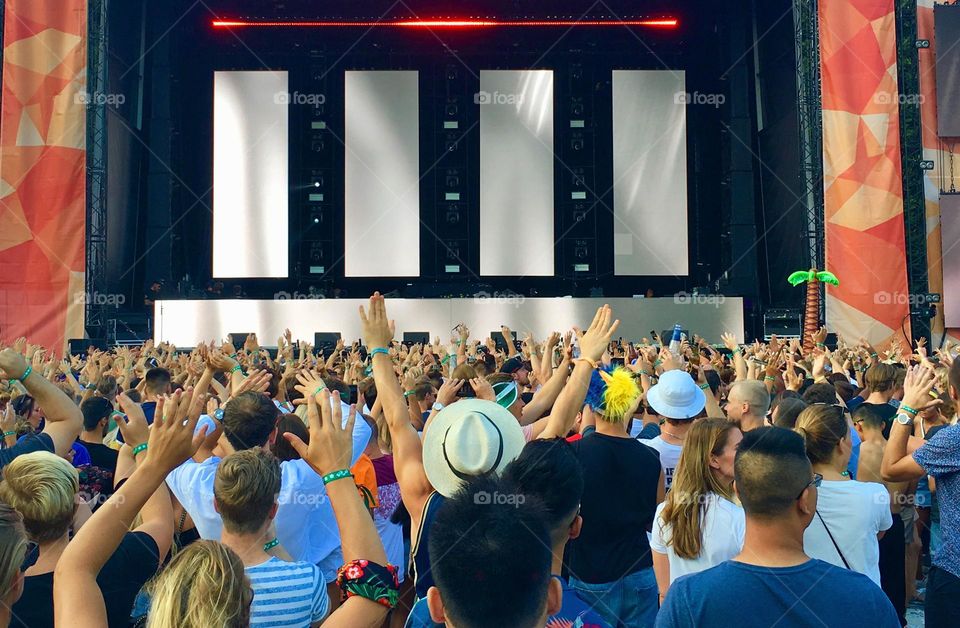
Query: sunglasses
x: 30, y: 558
x: 815, y: 482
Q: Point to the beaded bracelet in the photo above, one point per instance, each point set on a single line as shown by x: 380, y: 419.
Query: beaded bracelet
x: 269, y: 545
x: 139, y: 448
x: 336, y: 475
x: 378, y: 583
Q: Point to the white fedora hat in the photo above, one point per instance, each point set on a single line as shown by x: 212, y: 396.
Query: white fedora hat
x: 469, y: 438
x: 676, y: 396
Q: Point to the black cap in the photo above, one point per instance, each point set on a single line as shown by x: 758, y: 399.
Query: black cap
x: 512, y: 365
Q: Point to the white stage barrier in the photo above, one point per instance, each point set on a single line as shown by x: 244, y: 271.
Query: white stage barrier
x: 185, y: 323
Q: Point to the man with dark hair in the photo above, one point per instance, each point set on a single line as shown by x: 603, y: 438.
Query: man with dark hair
x: 774, y: 581
x: 156, y: 385
x: 305, y: 527
x: 96, y: 417
x: 490, y: 557
x: 549, y: 471
x: 882, y: 382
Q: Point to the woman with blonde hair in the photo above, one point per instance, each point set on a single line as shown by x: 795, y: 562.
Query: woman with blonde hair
x: 17, y: 554
x: 184, y: 592
x: 699, y: 525
x: 851, y: 516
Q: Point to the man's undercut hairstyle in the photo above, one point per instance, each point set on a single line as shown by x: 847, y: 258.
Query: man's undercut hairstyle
x: 246, y: 486
x: 422, y: 388
x: 881, y: 378
x: 158, y: 381
x: 788, y: 409
x: 754, y: 393
x: 94, y: 410
x: 490, y: 557
x: 868, y: 418
x: 43, y: 488
x: 548, y: 470
x: 771, y: 470
x: 248, y: 420
x: 820, y: 393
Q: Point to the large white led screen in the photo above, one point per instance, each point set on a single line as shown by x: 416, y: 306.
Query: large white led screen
x: 250, y: 178
x: 516, y: 172
x: 382, y: 174
x: 649, y: 173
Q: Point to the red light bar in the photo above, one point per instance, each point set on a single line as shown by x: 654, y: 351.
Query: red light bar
x: 661, y: 23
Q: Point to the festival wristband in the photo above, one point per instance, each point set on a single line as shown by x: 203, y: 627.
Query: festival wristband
x: 336, y: 475
x: 769, y: 378
x: 908, y: 409
x: 382, y: 350
x: 139, y: 448
x: 10, y: 433
x: 269, y: 545
x: 408, y: 393
x: 703, y: 386
x: 236, y: 368
x: 26, y: 374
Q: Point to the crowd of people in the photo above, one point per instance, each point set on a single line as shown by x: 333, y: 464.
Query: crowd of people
x: 582, y: 480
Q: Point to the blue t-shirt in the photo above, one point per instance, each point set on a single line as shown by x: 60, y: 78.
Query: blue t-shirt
x: 813, y: 594
x: 574, y: 612
x: 940, y: 457
x: 855, y: 441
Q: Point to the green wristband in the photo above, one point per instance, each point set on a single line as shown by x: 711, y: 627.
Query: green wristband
x: 906, y: 408
x: 770, y: 378
x: 269, y: 545
x: 139, y: 448
x: 236, y: 368
x: 336, y: 475
x: 703, y: 386
x: 26, y: 374
x: 10, y: 433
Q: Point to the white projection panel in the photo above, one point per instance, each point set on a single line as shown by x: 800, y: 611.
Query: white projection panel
x: 649, y: 173
x: 382, y: 174
x: 250, y: 182
x: 516, y: 172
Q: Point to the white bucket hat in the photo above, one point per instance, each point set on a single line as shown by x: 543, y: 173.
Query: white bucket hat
x: 469, y: 438
x: 676, y: 396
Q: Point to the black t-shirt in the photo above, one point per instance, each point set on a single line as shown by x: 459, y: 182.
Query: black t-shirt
x: 28, y: 444
x: 621, y: 478
x: 133, y: 563
x: 886, y: 412
x: 101, y: 456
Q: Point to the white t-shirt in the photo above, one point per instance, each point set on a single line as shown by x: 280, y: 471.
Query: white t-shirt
x: 669, y: 456
x: 854, y: 512
x: 722, y: 527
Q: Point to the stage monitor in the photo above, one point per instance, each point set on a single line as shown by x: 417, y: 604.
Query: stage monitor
x: 250, y: 179
x: 416, y: 337
x: 326, y: 341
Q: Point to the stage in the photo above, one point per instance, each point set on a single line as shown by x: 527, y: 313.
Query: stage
x: 187, y: 322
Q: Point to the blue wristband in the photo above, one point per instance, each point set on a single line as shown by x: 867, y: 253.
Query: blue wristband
x: 382, y: 350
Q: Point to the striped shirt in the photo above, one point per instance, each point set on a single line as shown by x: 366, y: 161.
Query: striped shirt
x: 287, y: 594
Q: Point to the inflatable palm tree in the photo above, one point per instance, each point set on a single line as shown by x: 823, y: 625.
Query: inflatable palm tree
x: 811, y: 313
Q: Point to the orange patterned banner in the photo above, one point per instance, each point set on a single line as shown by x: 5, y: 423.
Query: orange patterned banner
x: 42, y: 176
x: 863, y: 194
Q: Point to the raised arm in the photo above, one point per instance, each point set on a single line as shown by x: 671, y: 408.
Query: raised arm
x: 545, y: 398
x: 331, y: 450
x: 592, y: 345
x: 77, y: 597
x: 898, y: 463
x: 63, y: 417
x: 407, y: 448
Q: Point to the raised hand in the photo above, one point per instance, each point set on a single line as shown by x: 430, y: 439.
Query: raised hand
x: 12, y: 364
x: 482, y: 389
x: 729, y: 341
x: 595, y: 340
x: 917, y: 385
x: 331, y: 443
x: 256, y: 381
x: 133, y: 425
x: 377, y: 328
x: 448, y: 391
